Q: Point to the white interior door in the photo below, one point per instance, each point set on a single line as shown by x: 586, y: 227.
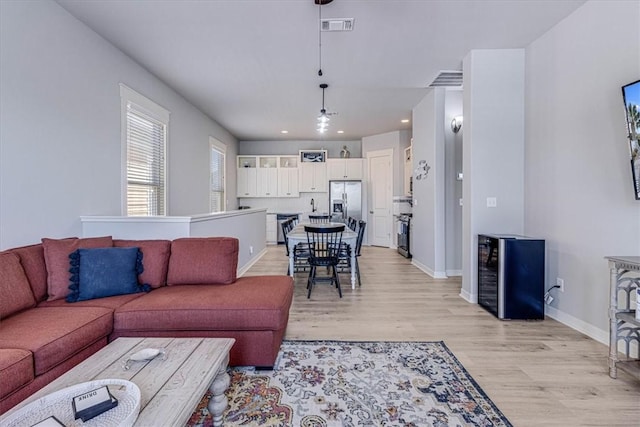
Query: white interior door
x: 380, y: 197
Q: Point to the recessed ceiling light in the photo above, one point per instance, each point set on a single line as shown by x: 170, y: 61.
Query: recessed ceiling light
x: 340, y: 131
x: 405, y: 120
x: 284, y: 131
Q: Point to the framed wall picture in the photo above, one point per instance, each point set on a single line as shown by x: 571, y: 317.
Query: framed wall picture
x: 315, y: 156
x: 631, y: 97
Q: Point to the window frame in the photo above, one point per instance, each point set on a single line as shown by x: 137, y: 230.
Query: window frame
x: 215, y: 144
x: 156, y: 112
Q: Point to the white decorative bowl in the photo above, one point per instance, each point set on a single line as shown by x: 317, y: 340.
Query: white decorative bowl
x: 59, y: 405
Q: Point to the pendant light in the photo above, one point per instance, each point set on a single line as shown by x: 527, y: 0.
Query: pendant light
x: 323, y: 118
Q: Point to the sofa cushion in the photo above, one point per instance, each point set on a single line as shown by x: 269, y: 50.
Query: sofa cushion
x: 15, y: 292
x: 32, y: 260
x: 251, y: 303
x: 155, y: 259
x: 107, y: 302
x: 203, y: 260
x: 104, y: 272
x: 53, y: 334
x: 16, y: 370
x: 56, y: 256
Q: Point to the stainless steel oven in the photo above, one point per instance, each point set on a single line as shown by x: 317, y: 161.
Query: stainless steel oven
x: 404, y: 235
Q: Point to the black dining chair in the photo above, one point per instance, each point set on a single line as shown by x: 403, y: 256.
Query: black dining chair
x: 300, y: 250
x: 319, y: 219
x: 345, y: 252
x: 352, y: 223
x: 324, y: 247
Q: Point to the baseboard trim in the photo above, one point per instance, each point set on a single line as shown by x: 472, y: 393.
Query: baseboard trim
x: 430, y: 272
x: 468, y: 297
x: 251, y: 262
x: 452, y: 273
x: 577, y: 324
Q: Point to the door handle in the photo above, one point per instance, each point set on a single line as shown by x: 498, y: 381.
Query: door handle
x: 371, y: 212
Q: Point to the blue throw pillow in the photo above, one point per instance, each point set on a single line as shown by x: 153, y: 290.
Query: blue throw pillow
x: 105, y: 272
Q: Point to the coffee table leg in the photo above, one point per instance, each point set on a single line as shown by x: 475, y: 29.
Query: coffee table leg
x: 218, y: 402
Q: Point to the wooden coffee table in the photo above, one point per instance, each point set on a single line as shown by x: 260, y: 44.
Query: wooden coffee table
x: 170, y: 389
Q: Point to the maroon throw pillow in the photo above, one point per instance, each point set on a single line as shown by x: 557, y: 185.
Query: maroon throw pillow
x: 155, y: 259
x: 56, y: 257
x: 14, y: 286
x: 201, y: 261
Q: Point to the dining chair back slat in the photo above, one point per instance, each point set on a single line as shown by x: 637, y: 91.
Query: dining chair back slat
x: 319, y: 219
x: 324, y: 247
x: 345, y: 253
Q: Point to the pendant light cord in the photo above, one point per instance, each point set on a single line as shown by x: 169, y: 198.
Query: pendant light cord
x: 320, y: 38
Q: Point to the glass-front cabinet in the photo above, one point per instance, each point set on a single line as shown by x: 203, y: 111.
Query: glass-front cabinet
x: 247, y: 178
x: 267, y: 176
x: 288, y: 176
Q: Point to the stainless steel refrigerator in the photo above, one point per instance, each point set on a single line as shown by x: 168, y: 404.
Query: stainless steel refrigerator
x: 345, y: 200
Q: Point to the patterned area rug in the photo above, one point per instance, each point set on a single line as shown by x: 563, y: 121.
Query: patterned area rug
x: 332, y: 383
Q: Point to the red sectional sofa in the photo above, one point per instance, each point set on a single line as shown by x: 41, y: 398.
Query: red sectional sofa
x: 194, y: 293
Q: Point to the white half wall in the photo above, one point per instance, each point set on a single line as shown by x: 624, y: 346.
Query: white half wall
x: 579, y: 193
x: 60, y: 143
x: 493, y: 153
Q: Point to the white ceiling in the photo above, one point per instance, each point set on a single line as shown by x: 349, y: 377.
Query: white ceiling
x: 252, y: 64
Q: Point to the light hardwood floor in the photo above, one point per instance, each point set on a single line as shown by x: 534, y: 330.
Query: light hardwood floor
x: 539, y: 373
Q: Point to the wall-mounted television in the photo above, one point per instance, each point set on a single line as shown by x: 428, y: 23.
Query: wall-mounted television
x: 631, y: 97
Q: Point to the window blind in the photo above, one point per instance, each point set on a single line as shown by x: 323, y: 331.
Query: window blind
x: 146, y: 140
x: 217, y: 180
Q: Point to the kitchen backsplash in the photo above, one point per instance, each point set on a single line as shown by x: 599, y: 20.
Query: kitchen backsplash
x: 289, y: 205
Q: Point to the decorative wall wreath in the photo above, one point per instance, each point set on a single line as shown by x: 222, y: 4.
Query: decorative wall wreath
x: 422, y: 171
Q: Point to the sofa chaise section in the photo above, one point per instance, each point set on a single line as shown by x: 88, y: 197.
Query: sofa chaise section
x: 253, y: 310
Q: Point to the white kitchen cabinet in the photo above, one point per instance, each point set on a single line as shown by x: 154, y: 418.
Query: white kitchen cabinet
x: 339, y: 169
x: 247, y: 178
x: 267, y: 176
x: 288, y: 177
x: 272, y: 229
x: 313, y: 177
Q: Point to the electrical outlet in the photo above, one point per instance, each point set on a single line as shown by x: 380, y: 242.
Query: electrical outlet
x: 560, y: 283
x: 492, y: 202
x: 250, y: 250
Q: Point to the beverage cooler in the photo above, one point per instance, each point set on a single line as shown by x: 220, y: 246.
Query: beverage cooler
x: 511, y: 273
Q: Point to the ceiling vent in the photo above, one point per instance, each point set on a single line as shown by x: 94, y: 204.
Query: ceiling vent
x: 447, y: 78
x: 337, y: 24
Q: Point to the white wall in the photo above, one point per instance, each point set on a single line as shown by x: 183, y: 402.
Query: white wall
x: 493, y: 154
x: 396, y: 140
x: 60, y: 134
x: 293, y: 146
x: 429, y: 194
x: 579, y: 193
x: 453, y: 187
